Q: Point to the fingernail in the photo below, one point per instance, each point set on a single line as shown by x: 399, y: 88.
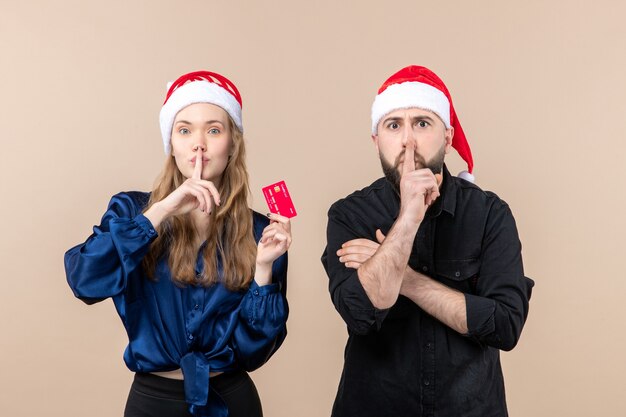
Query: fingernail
x: 269, y: 214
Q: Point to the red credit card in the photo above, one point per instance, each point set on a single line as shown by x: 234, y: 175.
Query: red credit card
x: 278, y: 200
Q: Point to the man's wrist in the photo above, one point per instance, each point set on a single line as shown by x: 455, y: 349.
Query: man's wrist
x: 407, y: 225
x: 411, y: 281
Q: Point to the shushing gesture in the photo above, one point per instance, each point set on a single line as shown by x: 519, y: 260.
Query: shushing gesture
x: 194, y: 193
x: 418, y: 188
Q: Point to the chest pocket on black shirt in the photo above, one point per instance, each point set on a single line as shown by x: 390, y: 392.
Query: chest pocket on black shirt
x: 459, y: 274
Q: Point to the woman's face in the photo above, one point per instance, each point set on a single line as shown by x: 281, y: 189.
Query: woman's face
x: 202, y: 126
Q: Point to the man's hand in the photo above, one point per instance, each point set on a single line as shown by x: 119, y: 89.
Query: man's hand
x: 355, y: 252
x: 418, y: 188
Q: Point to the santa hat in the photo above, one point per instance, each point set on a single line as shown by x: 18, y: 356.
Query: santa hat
x: 198, y: 87
x: 419, y: 87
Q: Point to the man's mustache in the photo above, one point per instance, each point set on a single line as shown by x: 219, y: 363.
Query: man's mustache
x: 419, y: 161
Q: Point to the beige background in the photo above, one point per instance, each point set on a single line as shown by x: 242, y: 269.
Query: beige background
x: 539, y: 89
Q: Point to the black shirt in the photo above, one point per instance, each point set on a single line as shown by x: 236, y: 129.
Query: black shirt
x: 402, y: 361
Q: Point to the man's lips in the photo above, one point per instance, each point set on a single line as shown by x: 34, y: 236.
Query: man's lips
x: 417, y: 161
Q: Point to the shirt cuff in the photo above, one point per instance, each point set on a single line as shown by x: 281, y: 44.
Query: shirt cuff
x: 263, y: 290
x: 480, y: 315
x: 357, y: 309
x: 146, y: 225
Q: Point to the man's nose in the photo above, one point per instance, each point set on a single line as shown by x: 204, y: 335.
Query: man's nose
x: 408, y: 135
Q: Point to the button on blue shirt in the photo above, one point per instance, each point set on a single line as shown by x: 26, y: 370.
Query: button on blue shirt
x: 195, y: 328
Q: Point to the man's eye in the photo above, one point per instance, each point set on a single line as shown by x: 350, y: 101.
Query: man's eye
x: 422, y: 123
x: 393, y: 125
x: 214, y: 131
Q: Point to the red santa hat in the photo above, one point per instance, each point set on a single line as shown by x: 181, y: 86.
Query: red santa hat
x: 198, y: 87
x: 419, y: 87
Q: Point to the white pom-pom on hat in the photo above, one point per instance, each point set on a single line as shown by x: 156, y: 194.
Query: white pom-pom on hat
x: 466, y: 176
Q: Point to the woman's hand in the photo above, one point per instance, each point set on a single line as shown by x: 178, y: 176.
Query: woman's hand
x: 274, y: 242
x: 194, y: 193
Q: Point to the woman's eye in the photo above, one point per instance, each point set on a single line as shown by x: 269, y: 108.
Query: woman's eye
x: 183, y: 131
x: 214, y: 131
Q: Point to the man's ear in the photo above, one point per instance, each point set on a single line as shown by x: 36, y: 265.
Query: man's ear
x: 375, y: 140
x: 448, y: 137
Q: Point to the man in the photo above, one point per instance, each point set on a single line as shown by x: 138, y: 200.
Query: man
x: 425, y: 269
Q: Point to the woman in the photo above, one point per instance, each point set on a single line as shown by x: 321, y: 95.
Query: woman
x: 198, y: 279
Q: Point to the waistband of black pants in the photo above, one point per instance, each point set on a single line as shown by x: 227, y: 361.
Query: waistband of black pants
x: 175, y: 389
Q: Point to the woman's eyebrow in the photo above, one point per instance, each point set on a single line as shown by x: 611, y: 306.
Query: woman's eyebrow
x: 208, y: 122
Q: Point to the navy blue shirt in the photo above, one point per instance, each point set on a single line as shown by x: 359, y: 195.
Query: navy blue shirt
x: 403, y: 362
x: 198, y: 329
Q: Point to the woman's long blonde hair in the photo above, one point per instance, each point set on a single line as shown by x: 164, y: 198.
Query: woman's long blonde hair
x: 230, y: 240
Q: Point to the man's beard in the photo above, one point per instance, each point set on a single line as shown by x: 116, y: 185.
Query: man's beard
x: 392, y: 172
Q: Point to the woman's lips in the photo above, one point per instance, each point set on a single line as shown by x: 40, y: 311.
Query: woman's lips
x: 204, y: 160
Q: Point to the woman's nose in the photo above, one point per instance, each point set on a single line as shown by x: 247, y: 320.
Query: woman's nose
x: 199, y: 146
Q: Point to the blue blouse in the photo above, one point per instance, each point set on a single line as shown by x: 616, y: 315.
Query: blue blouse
x: 198, y: 329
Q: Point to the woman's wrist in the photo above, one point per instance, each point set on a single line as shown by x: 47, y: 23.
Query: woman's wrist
x: 263, y: 273
x: 156, y: 214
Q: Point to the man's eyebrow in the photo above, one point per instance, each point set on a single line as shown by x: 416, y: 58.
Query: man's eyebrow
x: 423, y: 117
x: 392, y: 119
x: 415, y: 118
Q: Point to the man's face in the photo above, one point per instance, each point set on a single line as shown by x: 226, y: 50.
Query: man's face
x: 422, y: 127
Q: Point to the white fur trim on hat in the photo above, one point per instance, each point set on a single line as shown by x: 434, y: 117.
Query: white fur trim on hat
x: 196, y: 92
x: 407, y: 95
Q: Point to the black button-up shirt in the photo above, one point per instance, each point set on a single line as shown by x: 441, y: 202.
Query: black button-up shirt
x: 403, y: 362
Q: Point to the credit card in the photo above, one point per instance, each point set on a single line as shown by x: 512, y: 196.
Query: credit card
x: 278, y: 199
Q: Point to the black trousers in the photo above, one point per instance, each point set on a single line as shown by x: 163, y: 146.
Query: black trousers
x: 154, y: 396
